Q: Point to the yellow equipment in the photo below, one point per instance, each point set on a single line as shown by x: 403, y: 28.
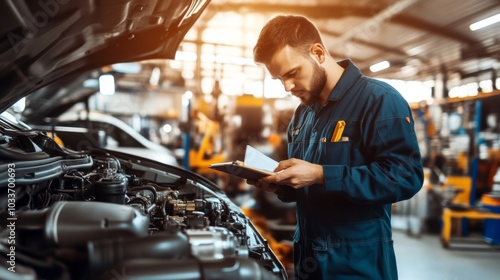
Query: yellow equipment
x: 452, y: 218
x: 449, y: 214
x: 205, y: 152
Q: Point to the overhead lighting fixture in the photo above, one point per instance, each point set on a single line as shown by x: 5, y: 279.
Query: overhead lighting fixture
x: 380, y: 66
x: 485, y: 22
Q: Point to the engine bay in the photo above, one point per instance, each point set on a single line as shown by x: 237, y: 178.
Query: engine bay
x: 97, y: 215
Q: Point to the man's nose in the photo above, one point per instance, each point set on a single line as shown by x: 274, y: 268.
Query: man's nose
x: 289, y: 85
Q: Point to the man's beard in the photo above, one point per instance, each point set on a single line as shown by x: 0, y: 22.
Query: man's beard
x: 316, y: 87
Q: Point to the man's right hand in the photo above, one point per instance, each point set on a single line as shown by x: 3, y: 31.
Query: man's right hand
x: 284, y: 193
x: 266, y: 187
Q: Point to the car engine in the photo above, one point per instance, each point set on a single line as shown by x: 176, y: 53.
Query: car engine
x: 97, y: 215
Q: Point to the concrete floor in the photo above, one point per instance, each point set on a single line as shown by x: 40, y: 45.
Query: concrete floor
x: 423, y: 258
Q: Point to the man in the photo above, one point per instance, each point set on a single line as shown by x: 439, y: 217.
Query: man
x: 344, y: 183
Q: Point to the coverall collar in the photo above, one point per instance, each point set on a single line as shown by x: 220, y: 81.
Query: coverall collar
x: 350, y: 75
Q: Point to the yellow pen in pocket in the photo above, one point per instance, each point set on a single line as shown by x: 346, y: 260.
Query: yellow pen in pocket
x: 337, y: 132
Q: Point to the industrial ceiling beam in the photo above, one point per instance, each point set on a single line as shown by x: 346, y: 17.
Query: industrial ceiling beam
x: 376, y: 20
x: 376, y: 46
x: 321, y: 11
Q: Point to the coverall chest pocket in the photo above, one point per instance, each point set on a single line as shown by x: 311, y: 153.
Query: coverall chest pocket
x: 335, y: 153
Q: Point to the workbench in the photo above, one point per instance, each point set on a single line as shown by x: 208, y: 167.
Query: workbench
x: 449, y: 214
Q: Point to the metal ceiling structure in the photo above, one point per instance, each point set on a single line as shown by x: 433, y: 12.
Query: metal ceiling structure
x: 422, y: 39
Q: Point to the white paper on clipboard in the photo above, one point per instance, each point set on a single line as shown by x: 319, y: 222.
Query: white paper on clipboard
x: 256, y: 159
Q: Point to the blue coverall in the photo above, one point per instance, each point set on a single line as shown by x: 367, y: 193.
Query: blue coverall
x: 343, y: 227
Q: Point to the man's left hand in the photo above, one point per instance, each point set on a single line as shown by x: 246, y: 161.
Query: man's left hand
x: 295, y: 173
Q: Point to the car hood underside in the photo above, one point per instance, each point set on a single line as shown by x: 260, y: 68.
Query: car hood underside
x: 43, y: 41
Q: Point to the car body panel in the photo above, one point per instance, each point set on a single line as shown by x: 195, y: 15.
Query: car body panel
x: 105, y: 131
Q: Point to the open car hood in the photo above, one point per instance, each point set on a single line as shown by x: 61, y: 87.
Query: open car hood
x: 43, y: 41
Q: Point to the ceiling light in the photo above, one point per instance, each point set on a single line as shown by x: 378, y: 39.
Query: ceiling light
x: 380, y: 66
x: 485, y: 22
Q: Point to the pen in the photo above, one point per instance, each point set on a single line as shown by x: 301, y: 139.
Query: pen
x: 337, y: 132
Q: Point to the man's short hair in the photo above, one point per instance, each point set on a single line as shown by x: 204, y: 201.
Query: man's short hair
x: 293, y: 30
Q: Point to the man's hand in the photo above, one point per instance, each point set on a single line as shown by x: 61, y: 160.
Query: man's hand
x: 262, y: 186
x: 293, y: 172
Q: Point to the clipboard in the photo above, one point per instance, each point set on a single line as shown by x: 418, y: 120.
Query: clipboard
x: 238, y: 168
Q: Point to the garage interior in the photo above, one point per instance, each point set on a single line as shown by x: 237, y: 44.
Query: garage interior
x: 211, y: 101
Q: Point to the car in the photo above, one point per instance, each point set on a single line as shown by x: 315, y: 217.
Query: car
x: 100, y: 213
x: 84, y: 130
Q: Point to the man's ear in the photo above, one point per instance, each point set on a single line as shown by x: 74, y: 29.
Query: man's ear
x: 318, y: 52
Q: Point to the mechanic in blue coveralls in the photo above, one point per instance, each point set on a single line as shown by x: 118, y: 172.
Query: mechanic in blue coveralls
x: 352, y: 152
